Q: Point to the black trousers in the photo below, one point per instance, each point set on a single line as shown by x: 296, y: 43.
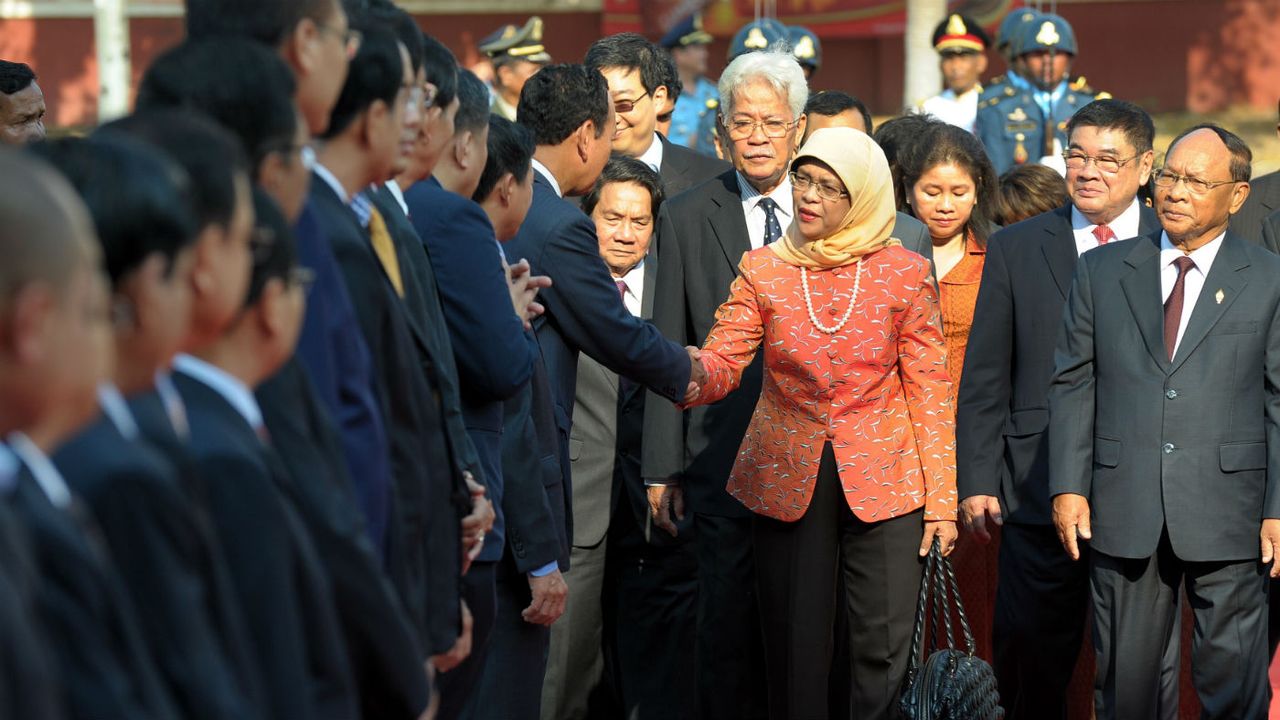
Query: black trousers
x: 728, y: 652
x: 510, y: 686
x: 798, y: 564
x: 650, y: 597
x: 1135, y: 604
x: 459, y: 684
x: 1042, y: 601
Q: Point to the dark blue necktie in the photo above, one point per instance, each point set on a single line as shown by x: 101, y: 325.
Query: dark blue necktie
x: 772, y: 228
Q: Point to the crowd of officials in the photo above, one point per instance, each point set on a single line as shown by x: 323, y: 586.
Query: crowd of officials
x: 338, y: 382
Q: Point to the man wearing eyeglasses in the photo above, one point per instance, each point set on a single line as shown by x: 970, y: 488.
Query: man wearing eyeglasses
x: 1002, y: 416
x: 1164, y: 437
x: 686, y: 461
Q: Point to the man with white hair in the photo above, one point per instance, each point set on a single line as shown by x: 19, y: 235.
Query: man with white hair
x: 704, y: 233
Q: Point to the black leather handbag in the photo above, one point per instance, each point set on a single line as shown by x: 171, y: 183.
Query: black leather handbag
x: 952, y: 684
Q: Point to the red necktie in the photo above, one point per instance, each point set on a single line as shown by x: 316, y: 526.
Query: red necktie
x: 622, y: 288
x: 1173, y: 306
x: 1104, y: 234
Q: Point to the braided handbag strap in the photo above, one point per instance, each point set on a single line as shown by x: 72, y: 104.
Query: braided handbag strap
x: 940, y: 577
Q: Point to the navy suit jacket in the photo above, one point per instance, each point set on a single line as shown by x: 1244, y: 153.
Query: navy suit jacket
x: 337, y: 358
x: 493, y: 354
x: 584, y: 312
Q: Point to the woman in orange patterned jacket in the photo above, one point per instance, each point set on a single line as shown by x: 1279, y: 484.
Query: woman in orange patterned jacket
x: 849, y: 458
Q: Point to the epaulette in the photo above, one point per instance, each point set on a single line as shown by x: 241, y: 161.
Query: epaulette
x: 1079, y: 84
x: 1104, y: 95
x: 712, y: 103
x: 997, y: 80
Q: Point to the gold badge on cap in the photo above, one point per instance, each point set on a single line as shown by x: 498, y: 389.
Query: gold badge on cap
x: 955, y: 26
x: 755, y: 39
x: 536, y: 34
x: 804, y: 48
x: 1048, y: 34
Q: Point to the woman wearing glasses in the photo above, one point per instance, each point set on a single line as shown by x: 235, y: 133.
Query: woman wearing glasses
x: 848, y: 461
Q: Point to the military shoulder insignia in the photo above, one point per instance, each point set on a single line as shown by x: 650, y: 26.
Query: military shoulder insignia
x: 712, y: 103
x: 1102, y: 96
x: 1009, y: 91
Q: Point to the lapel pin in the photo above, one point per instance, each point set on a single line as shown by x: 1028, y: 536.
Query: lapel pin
x: 1218, y: 296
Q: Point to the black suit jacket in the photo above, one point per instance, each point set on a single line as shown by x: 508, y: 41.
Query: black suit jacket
x: 1263, y: 200
x: 584, y: 312
x: 1188, y: 447
x: 284, y: 595
x: 382, y: 647
x: 28, y: 686
x: 683, y: 168
x: 1003, y: 408
x: 424, y: 547
x: 99, y: 654
x: 168, y: 565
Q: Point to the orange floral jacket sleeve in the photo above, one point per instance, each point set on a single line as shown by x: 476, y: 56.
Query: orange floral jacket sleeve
x: 877, y: 389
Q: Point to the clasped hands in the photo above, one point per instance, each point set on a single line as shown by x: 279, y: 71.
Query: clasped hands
x: 524, y: 287
x: 697, y: 374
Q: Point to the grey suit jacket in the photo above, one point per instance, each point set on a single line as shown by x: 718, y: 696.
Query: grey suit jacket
x: 1263, y: 200
x: 1191, y: 445
x: 914, y: 236
x: 593, y: 441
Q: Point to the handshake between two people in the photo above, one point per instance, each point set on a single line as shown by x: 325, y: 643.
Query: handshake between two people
x: 697, y: 375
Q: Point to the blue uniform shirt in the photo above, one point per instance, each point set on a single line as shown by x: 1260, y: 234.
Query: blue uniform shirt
x: 1011, y: 119
x: 688, y: 120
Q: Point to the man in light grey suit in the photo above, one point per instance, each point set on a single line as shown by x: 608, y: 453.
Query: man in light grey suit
x: 646, y: 674
x: 1164, y: 437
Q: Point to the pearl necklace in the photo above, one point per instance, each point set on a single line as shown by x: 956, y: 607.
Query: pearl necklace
x: 808, y: 300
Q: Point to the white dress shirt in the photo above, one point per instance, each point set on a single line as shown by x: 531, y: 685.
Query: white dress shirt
x: 1125, y: 227
x: 961, y: 111
x: 398, y: 194
x: 755, y: 214
x: 633, y: 298
x: 225, y: 384
x: 332, y: 181
x: 1194, y: 282
x: 540, y: 168
x: 117, y: 410
x: 42, y: 469
x: 8, y: 468
x: 653, y: 156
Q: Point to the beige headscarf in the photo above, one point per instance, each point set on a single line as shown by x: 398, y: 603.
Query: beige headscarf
x: 862, y: 167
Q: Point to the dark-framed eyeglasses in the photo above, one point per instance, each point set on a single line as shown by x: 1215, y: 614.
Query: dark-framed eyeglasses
x: 626, y: 106
x: 802, y: 183
x: 741, y: 129
x: 1196, y: 186
x: 350, y: 38
x: 1078, y: 161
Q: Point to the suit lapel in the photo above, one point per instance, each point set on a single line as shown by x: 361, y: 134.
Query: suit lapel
x: 1059, y: 249
x: 726, y: 221
x: 1148, y: 223
x: 1223, y: 276
x: 673, y: 169
x: 1142, y: 289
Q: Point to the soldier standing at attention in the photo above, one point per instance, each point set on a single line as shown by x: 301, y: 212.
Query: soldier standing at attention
x: 687, y: 42
x: 961, y: 45
x: 1021, y: 125
x: 517, y: 53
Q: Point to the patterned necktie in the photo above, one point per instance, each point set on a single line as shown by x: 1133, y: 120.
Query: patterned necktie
x: 385, y: 249
x: 1104, y: 234
x: 1173, y: 306
x: 772, y: 228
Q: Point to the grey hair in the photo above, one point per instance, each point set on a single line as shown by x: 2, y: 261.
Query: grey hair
x: 778, y: 69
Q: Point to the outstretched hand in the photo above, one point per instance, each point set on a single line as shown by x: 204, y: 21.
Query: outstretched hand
x: 697, y: 374
x: 524, y: 287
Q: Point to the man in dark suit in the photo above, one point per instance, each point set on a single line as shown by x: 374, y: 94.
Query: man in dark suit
x: 83, y: 650
x: 1263, y: 200
x: 168, y: 560
x: 530, y: 586
x: 331, y: 347
x: 1003, y: 475
x: 1163, y: 437
x: 633, y: 67
x: 431, y: 494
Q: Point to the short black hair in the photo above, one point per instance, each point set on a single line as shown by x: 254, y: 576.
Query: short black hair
x: 830, y: 103
x: 375, y: 73
x: 944, y: 144
x: 621, y: 169
x: 239, y: 83
x: 211, y: 156
x: 671, y: 77
x: 1241, y: 155
x: 631, y: 51
x: 267, y: 22
x: 442, y: 69
x: 15, y: 77
x: 473, y: 103
x: 275, y: 253
x: 1111, y: 114
x: 402, y: 25
x: 138, y: 198
x: 894, y: 137
x: 511, y: 149
x: 558, y: 99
